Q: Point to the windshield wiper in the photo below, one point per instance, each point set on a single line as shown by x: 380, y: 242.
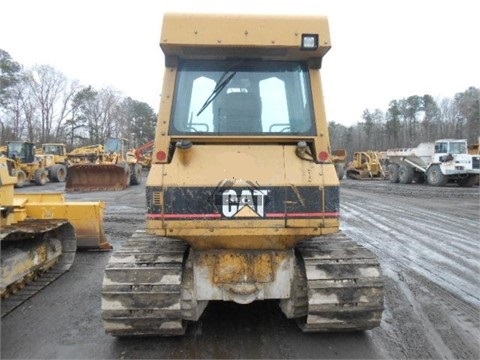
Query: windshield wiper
x: 222, y: 82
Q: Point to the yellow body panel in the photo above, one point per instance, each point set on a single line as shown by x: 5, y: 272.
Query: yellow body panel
x: 267, y: 161
x: 263, y: 165
x: 86, y: 216
x: 192, y: 36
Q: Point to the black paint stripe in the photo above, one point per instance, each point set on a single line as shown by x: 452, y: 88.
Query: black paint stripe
x: 213, y: 202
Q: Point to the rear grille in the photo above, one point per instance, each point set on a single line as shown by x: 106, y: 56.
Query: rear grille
x: 157, y: 198
x: 476, y: 162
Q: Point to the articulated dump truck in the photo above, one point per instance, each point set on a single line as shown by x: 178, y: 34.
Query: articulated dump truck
x: 41, y: 232
x: 242, y: 195
x: 446, y: 160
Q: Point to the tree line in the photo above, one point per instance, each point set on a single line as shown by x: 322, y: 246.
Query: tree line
x: 409, y: 121
x: 40, y: 105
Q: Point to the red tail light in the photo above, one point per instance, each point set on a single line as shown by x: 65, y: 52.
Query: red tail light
x: 323, y: 156
x: 161, y: 155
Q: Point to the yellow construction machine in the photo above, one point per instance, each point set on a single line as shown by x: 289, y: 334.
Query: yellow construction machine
x: 366, y: 165
x: 339, y: 157
x: 108, y: 167
x: 39, y: 231
x: 29, y: 167
x: 55, y: 155
x: 242, y: 196
x: 85, y: 154
x: 144, y: 154
x: 474, y: 149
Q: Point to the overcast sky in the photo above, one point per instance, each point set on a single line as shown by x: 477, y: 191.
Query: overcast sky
x: 381, y: 49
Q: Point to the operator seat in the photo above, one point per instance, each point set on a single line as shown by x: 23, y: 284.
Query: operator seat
x: 237, y: 112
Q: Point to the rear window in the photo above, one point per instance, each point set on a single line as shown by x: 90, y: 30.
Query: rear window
x: 242, y: 97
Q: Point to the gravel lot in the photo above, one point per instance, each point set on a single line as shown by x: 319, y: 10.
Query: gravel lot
x: 425, y: 238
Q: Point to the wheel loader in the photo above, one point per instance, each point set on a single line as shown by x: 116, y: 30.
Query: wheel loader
x: 55, y: 155
x: 242, y: 195
x: 40, y: 231
x: 29, y: 167
x: 107, y: 167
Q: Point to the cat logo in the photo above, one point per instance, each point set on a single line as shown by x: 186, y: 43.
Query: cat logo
x: 244, y: 203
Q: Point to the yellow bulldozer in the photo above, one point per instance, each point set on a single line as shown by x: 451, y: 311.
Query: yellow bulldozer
x: 366, y: 165
x: 242, y: 195
x: 41, y: 232
x: 103, y: 167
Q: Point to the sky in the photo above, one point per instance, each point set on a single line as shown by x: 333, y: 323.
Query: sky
x: 381, y: 49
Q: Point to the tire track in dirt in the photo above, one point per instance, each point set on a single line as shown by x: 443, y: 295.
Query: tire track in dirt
x: 425, y: 316
x: 400, y: 234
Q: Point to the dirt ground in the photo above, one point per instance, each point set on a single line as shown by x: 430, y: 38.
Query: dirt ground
x: 425, y: 238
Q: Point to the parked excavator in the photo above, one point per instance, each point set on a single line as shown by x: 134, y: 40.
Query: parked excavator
x: 100, y: 168
x: 366, y: 165
x: 242, y: 196
x: 40, y: 232
x: 144, y: 154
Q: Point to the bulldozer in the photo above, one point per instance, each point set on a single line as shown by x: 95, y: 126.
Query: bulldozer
x: 242, y: 195
x: 366, y: 165
x: 29, y: 167
x: 55, y: 155
x: 39, y: 236
x: 101, y: 168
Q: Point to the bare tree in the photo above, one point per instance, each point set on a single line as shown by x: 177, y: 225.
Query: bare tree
x: 468, y: 106
x: 110, y: 112
x: 52, y: 93
x: 14, y: 117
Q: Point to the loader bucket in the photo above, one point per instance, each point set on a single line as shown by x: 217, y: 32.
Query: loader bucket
x: 97, y: 177
x: 85, y: 216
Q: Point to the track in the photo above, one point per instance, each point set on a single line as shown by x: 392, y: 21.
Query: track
x: 46, y: 272
x: 345, y: 285
x: 143, y: 292
x: 142, y: 287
